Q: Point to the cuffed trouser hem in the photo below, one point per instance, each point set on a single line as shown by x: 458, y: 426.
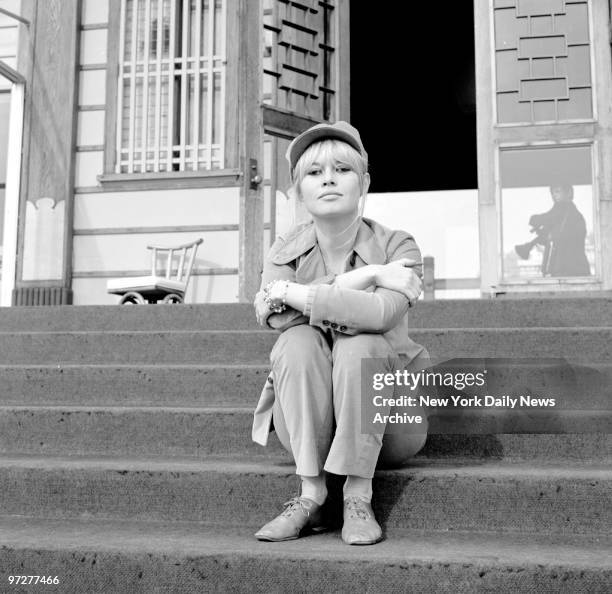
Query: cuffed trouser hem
x: 346, y: 457
x: 307, y: 459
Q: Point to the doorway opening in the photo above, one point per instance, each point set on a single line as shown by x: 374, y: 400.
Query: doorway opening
x: 413, y: 94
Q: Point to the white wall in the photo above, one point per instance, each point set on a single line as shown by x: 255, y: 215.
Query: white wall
x: 444, y: 225
x: 98, y: 254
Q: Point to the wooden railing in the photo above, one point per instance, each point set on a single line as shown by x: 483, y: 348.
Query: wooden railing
x: 431, y: 284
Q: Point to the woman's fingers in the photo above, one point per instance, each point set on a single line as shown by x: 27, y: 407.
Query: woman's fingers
x: 413, y: 288
x: 405, y: 262
x: 412, y: 293
x: 261, y: 308
x: 400, y: 271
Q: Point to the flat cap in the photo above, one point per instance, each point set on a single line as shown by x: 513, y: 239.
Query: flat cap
x: 339, y: 130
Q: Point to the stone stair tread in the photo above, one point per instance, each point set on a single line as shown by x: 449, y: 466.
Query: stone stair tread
x: 144, y: 365
x: 219, y: 347
x: 259, y: 330
x: 528, y: 310
x: 220, y: 407
x: 420, y: 467
x: 213, y: 427
x: 195, y: 539
x: 192, y: 330
x: 131, y: 408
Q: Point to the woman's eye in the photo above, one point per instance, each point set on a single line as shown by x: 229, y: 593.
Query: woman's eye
x: 343, y: 168
x: 314, y: 171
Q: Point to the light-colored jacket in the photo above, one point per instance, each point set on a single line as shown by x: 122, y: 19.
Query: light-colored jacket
x: 296, y: 257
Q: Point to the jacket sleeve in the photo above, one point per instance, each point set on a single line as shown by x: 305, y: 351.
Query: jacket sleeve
x: 272, y: 271
x: 354, y: 312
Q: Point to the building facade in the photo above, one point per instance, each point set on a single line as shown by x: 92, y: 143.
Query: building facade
x: 161, y: 121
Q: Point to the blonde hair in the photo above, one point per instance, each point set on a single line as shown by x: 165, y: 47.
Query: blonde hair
x: 332, y: 150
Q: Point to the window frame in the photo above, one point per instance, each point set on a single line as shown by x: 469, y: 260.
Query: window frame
x: 227, y: 177
x: 494, y: 137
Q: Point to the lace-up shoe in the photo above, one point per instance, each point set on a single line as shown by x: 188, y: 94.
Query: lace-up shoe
x: 360, y: 526
x: 300, y: 514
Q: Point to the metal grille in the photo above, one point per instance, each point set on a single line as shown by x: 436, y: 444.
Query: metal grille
x: 298, y: 56
x: 42, y: 296
x: 171, y: 86
x: 543, y: 61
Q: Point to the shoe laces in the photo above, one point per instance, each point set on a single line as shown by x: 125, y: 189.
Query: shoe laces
x: 355, y: 507
x: 293, y: 505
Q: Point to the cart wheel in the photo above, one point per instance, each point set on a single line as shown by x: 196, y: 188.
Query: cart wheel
x: 172, y: 298
x: 132, y: 298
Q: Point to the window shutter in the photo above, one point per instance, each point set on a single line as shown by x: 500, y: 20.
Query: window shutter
x: 299, y: 57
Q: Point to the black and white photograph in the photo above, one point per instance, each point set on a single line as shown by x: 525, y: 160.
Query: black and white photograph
x: 304, y: 296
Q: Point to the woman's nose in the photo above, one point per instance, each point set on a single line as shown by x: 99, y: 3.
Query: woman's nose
x: 329, y: 176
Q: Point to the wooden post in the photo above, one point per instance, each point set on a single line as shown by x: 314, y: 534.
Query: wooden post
x: 429, y: 278
x: 48, y: 54
x: 343, y: 61
x: 251, y: 148
x: 487, y: 203
x: 602, y: 183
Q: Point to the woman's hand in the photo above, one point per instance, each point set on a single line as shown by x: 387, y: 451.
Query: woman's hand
x: 399, y: 276
x: 262, y: 309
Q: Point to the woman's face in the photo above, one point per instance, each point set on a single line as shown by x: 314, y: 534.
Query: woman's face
x: 330, y: 189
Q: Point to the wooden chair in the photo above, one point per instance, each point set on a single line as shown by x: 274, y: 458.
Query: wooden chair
x: 177, y: 262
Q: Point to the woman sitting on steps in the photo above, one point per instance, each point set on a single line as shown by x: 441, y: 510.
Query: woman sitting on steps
x: 338, y: 289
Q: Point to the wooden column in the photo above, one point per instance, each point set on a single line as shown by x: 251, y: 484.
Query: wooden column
x: 48, y: 55
x: 343, y: 61
x: 602, y: 183
x: 487, y: 188
x: 251, y: 147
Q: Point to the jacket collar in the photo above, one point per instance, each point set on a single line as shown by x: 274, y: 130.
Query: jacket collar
x: 303, y: 239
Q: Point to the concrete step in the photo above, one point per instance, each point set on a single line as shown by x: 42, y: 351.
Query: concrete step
x: 252, y: 347
x: 202, y: 432
x: 527, y: 312
x: 71, y: 318
x: 129, y: 431
x: 573, y: 385
x: 104, y: 557
x: 534, y: 498
x: 476, y: 313
x: 208, y: 347
x: 585, y: 448
x: 173, y: 385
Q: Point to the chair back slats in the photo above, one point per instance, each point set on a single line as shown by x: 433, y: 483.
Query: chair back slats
x: 179, y: 275
x: 190, y: 267
x: 163, y: 257
x: 169, y: 264
x: 153, y: 261
x: 165, y: 260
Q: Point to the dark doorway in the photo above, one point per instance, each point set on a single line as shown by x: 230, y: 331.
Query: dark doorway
x: 413, y: 93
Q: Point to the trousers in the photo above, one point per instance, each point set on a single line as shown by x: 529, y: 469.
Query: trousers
x: 317, y: 406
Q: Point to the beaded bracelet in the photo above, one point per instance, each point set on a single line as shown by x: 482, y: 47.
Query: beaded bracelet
x: 278, y: 304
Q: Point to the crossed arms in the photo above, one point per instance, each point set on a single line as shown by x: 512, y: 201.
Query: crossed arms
x: 372, y: 298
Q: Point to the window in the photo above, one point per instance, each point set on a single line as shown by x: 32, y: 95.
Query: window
x: 547, y: 212
x: 5, y: 102
x: 543, y: 61
x: 299, y: 56
x: 171, y: 86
